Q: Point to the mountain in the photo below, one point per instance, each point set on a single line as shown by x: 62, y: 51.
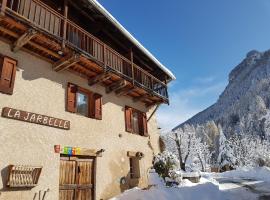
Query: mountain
x: 243, y: 107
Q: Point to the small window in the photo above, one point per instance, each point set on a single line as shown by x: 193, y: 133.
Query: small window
x: 84, y: 102
x: 8, y: 68
x: 136, y: 121
x: 134, y: 167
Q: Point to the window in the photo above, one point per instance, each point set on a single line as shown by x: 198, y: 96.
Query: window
x: 84, y: 102
x: 8, y: 68
x: 134, y: 167
x: 136, y: 121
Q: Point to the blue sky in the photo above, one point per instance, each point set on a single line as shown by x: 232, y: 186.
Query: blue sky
x: 200, y: 41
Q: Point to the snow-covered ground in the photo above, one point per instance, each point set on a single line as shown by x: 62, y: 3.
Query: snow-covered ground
x: 243, y: 184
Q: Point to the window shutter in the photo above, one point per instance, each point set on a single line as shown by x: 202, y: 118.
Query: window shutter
x: 8, y: 73
x: 98, y: 106
x: 128, y: 114
x: 144, y: 122
x: 71, y: 97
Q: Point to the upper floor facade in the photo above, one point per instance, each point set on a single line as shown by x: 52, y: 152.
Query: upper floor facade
x: 86, y: 40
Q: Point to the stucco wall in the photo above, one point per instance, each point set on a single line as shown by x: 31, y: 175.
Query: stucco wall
x: 40, y: 90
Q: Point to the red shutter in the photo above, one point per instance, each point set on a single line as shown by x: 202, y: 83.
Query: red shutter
x: 8, y: 73
x: 71, y: 97
x: 144, y: 121
x: 143, y: 124
x: 98, y: 106
x: 128, y: 118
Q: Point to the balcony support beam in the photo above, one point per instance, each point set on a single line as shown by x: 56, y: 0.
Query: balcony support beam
x: 124, y: 91
x: 115, y: 86
x: 24, y: 39
x: 140, y: 98
x: 99, y: 78
x: 66, y: 62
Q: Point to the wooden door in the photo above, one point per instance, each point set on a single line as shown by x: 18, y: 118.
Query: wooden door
x: 76, y: 178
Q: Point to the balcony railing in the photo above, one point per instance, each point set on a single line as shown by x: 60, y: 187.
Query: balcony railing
x: 47, y: 19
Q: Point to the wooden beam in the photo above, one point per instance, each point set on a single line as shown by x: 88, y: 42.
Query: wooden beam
x: 116, y: 85
x: 66, y: 62
x: 99, y: 78
x: 140, y: 98
x: 124, y: 91
x: 15, y: 35
x: 23, y: 40
x: 65, y: 24
x: 3, y: 7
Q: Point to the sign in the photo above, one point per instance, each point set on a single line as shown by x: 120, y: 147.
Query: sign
x: 77, y: 151
x: 35, y: 118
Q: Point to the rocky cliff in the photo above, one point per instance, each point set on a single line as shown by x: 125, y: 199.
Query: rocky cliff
x: 244, y: 105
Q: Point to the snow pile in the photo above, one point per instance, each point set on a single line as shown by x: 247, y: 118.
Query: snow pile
x: 259, y: 173
x: 187, y: 191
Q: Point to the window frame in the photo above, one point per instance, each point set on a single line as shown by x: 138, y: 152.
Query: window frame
x: 142, y: 128
x: 92, y: 97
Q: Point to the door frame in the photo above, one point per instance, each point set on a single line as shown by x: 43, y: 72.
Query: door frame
x: 80, y: 157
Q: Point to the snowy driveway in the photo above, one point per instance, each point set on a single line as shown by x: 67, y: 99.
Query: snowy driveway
x: 243, y: 189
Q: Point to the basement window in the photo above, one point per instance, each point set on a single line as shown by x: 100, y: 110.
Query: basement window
x: 134, y: 167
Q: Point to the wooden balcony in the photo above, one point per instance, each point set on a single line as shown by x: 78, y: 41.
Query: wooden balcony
x: 36, y: 27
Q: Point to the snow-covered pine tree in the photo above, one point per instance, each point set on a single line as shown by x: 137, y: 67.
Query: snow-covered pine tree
x: 225, y: 155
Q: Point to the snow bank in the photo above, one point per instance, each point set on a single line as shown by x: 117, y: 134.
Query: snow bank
x: 187, y: 191
x: 259, y: 173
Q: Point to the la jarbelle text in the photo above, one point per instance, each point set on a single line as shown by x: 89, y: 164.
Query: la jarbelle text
x: 35, y: 118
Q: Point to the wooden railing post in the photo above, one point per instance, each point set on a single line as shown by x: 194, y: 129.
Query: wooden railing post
x: 132, y: 67
x: 64, y: 36
x: 3, y: 8
x: 105, y: 56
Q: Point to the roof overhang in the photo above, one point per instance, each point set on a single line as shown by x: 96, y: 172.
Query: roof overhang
x: 106, y: 13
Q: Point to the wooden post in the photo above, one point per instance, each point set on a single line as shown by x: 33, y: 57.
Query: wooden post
x: 3, y: 7
x: 105, y: 57
x: 64, y: 36
x: 132, y: 66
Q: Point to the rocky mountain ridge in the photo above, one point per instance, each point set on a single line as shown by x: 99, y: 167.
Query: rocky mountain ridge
x: 244, y: 105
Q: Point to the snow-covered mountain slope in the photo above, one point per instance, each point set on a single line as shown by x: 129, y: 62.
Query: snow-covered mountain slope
x: 244, y: 104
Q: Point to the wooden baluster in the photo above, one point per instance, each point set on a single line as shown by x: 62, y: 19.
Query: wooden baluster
x: 3, y: 7
x: 64, y: 34
x: 132, y: 67
x: 105, y: 56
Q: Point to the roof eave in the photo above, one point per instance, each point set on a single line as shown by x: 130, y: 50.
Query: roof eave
x: 132, y: 39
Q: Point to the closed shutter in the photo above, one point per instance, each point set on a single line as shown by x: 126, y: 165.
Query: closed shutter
x: 8, y: 73
x: 97, y: 98
x: 128, y: 115
x: 67, y: 179
x: 144, y: 121
x: 143, y: 124
x: 71, y: 97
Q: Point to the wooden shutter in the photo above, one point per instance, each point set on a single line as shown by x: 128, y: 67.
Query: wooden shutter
x: 71, y: 97
x: 8, y: 73
x: 67, y: 179
x: 85, y: 180
x: 97, y: 98
x: 143, y: 124
x: 128, y: 118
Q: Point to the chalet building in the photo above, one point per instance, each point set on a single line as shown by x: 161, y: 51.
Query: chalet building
x: 78, y: 100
